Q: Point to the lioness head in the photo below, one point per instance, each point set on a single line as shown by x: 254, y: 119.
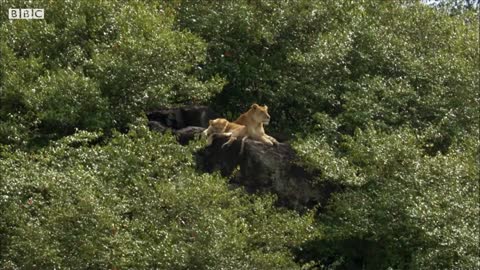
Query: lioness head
x: 260, y: 113
x: 216, y: 126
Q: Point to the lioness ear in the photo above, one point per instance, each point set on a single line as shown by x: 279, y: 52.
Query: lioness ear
x: 254, y: 106
x: 266, y: 107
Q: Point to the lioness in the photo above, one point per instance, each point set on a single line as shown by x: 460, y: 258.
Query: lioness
x: 254, y: 119
x: 223, y: 127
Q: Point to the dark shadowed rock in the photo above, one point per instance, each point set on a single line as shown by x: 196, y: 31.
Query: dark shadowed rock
x: 184, y: 135
x: 178, y: 118
x: 171, y: 118
x: 157, y: 126
x: 215, y: 158
x: 185, y: 121
x: 281, y: 137
x: 264, y: 168
x: 261, y: 168
x: 198, y: 115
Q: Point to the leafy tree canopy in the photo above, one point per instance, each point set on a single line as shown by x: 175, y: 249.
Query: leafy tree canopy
x: 381, y: 97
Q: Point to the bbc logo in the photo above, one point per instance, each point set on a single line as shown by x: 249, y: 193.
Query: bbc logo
x: 25, y: 13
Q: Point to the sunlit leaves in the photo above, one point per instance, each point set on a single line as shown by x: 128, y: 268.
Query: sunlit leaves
x: 135, y: 202
x: 318, y: 155
x: 95, y: 66
x: 411, y: 201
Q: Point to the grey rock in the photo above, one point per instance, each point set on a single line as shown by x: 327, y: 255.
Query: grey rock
x: 157, y: 126
x: 198, y: 115
x: 185, y: 122
x: 171, y: 118
x: 270, y: 169
x: 181, y: 117
x: 184, y: 135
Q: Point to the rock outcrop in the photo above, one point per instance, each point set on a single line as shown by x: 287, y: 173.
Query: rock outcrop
x: 184, y: 122
x: 263, y: 168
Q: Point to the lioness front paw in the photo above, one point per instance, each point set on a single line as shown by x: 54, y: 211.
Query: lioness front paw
x: 273, y: 140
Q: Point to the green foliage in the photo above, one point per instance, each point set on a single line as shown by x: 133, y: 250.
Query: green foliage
x: 382, y: 95
x: 66, y: 100
x: 406, y: 74
x: 454, y: 6
x: 381, y: 63
x: 318, y: 155
x: 413, y: 210
x: 126, y: 204
x: 153, y: 66
x: 95, y: 65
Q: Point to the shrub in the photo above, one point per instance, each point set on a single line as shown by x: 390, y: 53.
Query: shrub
x: 389, y: 64
x: 111, y: 60
x: 413, y: 211
x: 135, y: 202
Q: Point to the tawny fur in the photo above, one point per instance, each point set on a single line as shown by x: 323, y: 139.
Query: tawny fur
x: 254, y: 119
x: 223, y: 127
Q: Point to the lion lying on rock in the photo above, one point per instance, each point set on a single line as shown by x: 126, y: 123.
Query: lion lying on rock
x: 222, y: 126
x: 248, y: 125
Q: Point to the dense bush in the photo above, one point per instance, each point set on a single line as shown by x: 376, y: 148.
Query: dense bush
x: 382, y: 97
x: 126, y: 204
x: 404, y: 207
x: 410, y: 211
x: 382, y: 63
x: 420, y: 211
x: 94, y: 65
